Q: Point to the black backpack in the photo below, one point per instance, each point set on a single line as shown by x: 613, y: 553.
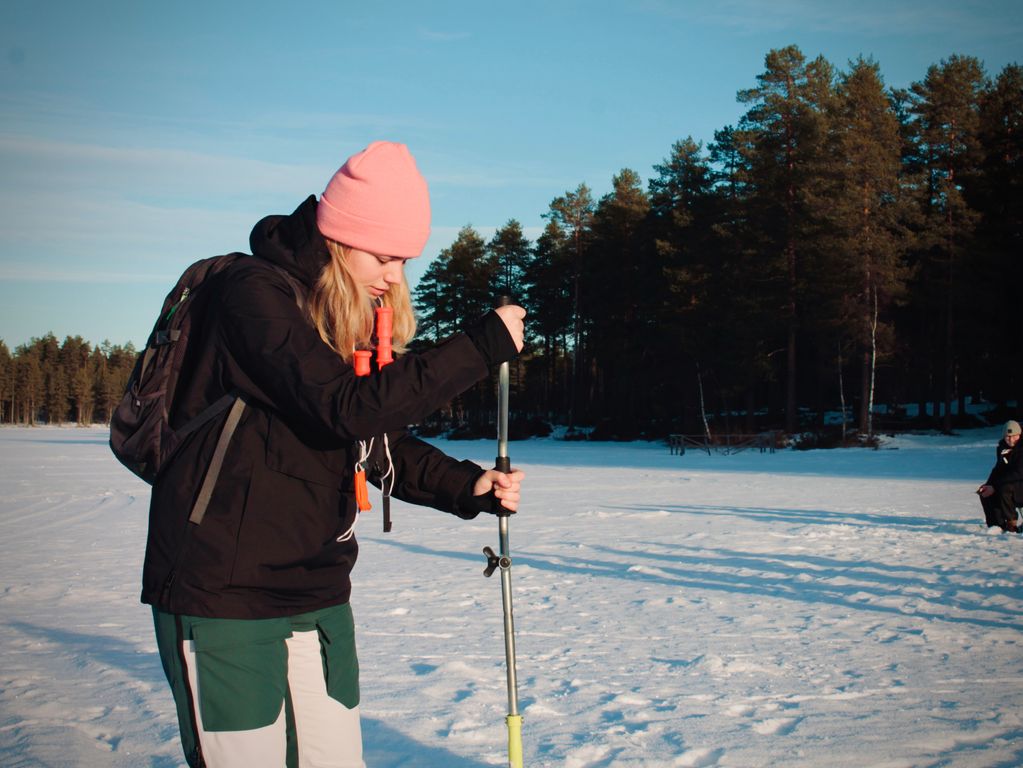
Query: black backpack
x: 141, y: 436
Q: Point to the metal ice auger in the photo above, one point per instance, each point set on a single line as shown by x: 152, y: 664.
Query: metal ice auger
x: 504, y: 561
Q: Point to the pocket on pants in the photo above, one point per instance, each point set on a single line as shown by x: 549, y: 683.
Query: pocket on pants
x: 242, y: 671
x: 336, y: 630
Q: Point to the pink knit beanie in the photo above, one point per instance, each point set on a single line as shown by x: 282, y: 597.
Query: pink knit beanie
x: 377, y: 202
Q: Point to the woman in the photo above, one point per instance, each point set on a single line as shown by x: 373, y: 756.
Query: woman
x: 251, y: 606
x: 1003, y: 490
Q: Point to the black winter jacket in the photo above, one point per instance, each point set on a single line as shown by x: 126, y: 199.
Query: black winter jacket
x: 268, y: 545
x: 1008, y: 466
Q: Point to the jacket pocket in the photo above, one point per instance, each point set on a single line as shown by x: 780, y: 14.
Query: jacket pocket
x: 242, y: 671
x: 288, y: 454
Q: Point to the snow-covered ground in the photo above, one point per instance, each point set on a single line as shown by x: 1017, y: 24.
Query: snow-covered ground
x: 823, y: 608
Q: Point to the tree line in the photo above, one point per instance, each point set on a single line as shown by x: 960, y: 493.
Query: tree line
x: 844, y: 246
x: 61, y: 382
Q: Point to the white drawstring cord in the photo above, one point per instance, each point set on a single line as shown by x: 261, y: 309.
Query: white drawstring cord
x: 360, y: 466
x: 390, y: 467
x: 350, y: 532
x: 364, y: 451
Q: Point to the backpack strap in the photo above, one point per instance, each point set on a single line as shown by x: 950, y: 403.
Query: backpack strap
x: 217, y: 462
x: 206, y: 414
x: 237, y: 404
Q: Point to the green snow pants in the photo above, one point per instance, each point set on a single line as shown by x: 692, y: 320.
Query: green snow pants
x: 264, y: 693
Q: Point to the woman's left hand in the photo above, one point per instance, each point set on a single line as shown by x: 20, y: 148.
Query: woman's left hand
x: 506, y: 487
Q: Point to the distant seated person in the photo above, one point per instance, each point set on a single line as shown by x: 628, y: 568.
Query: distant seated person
x: 1003, y: 491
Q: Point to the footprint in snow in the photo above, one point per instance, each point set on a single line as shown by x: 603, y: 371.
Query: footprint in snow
x: 699, y: 758
x: 777, y: 726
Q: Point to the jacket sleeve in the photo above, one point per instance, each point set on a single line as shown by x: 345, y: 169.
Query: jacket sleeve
x: 283, y: 362
x: 426, y: 475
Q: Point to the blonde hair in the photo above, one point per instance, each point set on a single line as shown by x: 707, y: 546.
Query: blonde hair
x: 342, y: 313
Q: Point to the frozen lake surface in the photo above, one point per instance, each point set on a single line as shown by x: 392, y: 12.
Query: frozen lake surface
x: 821, y: 608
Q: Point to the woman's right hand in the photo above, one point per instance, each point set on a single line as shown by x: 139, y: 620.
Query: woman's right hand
x: 512, y: 316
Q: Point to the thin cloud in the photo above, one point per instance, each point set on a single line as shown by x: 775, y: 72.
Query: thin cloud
x: 873, y: 17
x: 491, y: 178
x: 437, y: 36
x: 38, y: 114
x: 68, y: 165
x: 473, y: 173
x: 33, y: 273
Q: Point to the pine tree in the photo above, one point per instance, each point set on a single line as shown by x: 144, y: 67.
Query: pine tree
x: 915, y: 342
x: 120, y: 360
x: 618, y: 282
x: 98, y: 373
x: 681, y: 203
x: 549, y: 297
x: 573, y: 212
x: 737, y: 278
x: 82, y: 391
x: 434, y: 303
x: 945, y: 106
x: 866, y: 219
x: 999, y: 200
x: 6, y: 384
x: 458, y: 286
x: 29, y: 383
x: 74, y: 358
x: 457, y: 289
x: 55, y: 398
x: 783, y: 137
x: 511, y: 252
x: 471, y: 275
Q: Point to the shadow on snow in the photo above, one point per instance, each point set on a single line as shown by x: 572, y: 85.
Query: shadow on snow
x: 871, y: 587
x: 384, y: 745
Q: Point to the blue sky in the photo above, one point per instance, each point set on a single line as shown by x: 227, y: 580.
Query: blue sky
x: 137, y: 137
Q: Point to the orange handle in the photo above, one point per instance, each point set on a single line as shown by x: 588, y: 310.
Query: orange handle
x: 362, y: 357
x: 385, y: 325
x: 361, y: 492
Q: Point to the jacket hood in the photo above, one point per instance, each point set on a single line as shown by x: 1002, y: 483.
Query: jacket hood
x: 292, y: 242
